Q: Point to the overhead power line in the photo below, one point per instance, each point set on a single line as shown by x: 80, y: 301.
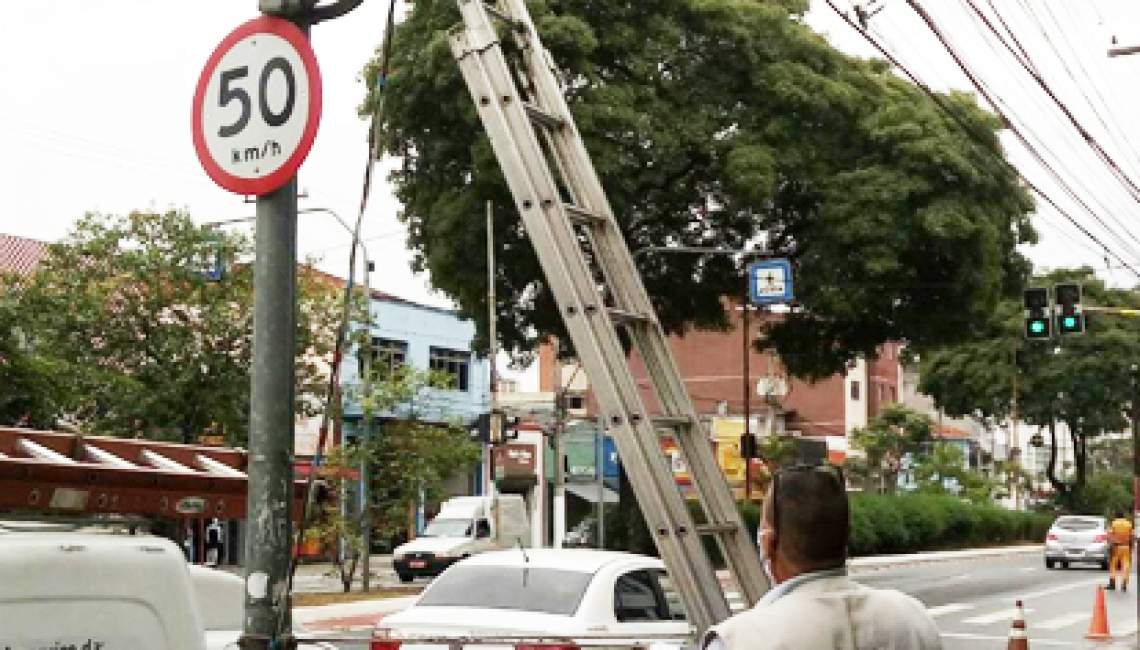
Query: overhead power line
x: 984, y: 145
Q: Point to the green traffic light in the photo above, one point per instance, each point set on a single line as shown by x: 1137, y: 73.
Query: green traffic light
x: 1070, y: 322
x: 1037, y: 327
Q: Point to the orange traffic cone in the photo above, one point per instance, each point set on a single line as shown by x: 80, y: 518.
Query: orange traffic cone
x: 1098, y: 627
x: 1018, y: 639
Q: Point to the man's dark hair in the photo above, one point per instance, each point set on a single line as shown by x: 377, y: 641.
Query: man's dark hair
x: 1119, y: 514
x: 811, y: 515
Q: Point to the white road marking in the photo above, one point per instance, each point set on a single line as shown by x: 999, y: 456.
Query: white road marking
x: 1059, y: 622
x: 949, y: 608
x: 1125, y: 629
x: 1065, y: 587
x: 1000, y: 615
x: 987, y: 637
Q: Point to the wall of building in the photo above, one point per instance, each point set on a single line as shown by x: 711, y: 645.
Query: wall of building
x: 714, y: 373
x: 422, y: 327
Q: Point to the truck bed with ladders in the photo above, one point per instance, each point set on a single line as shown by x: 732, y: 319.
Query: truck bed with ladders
x: 591, y: 273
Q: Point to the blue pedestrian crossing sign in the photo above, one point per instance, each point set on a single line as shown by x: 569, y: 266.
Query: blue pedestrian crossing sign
x: 770, y: 282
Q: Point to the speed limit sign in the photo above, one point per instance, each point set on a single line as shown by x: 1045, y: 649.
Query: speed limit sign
x: 257, y: 106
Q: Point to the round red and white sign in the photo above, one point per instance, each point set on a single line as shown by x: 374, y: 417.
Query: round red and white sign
x: 257, y: 106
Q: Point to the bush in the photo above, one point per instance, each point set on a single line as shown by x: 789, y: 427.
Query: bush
x: 882, y: 524
x: 925, y: 522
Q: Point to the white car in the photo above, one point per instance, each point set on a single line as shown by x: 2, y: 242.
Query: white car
x: 1077, y: 539
x: 580, y: 596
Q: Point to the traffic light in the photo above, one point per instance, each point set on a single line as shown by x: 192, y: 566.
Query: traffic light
x: 1037, y: 318
x: 1070, y: 314
x: 748, y: 446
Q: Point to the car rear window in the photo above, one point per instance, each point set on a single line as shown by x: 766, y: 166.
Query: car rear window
x: 1079, y: 524
x: 550, y: 591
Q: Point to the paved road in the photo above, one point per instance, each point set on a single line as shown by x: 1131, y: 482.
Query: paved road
x: 973, y: 600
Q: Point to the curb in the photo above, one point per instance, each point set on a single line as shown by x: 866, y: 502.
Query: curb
x: 871, y: 563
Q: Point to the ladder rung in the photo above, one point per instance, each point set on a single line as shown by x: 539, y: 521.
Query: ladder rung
x: 671, y: 422
x: 542, y: 118
x: 716, y: 529
x: 498, y: 14
x: 623, y: 317
x: 582, y: 216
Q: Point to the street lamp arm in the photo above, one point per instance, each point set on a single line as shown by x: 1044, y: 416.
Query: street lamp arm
x: 1123, y: 50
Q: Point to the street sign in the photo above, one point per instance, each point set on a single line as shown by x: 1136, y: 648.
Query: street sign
x: 770, y: 281
x: 257, y: 106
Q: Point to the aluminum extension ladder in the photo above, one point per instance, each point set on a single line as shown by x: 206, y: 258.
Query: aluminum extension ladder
x: 529, y: 131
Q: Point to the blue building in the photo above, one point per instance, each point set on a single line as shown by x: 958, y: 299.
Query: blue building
x: 404, y: 332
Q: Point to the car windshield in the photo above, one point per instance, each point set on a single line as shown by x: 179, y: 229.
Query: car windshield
x: 1078, y: 524
x: 520, y: 588
x: 448, y: 528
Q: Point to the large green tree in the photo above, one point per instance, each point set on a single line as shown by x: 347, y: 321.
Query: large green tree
x: 29, y: 385
x: 143, y: 344
x: 1083, y: 381
x: 721, y: 123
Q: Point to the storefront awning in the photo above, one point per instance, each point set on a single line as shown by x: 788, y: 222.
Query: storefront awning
x: 589, y: 492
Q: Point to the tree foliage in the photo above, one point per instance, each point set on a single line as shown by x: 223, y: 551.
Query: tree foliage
x: 142, y: 344
x: 886, y: 440
x: 408, y: 462
x: 29, y: 385
x: 719, y: 123
x: 1082, y: 381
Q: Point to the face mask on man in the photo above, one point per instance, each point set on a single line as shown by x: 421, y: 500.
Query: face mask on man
x: 763, y: 537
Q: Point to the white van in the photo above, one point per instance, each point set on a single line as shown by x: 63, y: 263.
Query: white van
x: 104, y: 591
x: 464, y: 527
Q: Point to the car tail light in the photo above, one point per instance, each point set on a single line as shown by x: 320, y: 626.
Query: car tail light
x: 1101, y: 538
x: 384, y: 644
x: 539, y: 646
x: 1051, y: 536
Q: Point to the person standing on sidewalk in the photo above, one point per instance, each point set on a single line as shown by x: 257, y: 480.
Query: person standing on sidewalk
x: 1120, y: 543
x: 803, y: 538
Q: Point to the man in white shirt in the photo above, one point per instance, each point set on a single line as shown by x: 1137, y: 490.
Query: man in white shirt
x: 814, y: 605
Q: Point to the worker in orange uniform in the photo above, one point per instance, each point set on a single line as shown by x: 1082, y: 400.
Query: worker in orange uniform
x: 1120, y: 542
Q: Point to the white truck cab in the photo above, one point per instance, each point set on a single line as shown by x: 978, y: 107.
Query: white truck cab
x: 465, y: 526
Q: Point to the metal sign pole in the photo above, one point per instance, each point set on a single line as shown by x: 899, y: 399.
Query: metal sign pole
x: 271, y: 417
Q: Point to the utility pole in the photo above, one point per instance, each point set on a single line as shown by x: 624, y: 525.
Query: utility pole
x: 1015, y: 416
x: 267, y: 623
x: 1135, y: 413
x: 494, y: 418
x: 270, y: 472
x: 745, y: 359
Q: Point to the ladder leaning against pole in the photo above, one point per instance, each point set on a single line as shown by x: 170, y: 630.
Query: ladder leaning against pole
x: 581, y: 249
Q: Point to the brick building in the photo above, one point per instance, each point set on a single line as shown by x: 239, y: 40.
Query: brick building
x: 712, y: 366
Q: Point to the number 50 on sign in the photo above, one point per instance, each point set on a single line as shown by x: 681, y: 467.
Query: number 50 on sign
x: 257, y: 106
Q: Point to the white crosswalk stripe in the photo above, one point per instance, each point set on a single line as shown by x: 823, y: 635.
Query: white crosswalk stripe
x: 949, y: 608
x: 1059, y: 622
x: 1000, y: 615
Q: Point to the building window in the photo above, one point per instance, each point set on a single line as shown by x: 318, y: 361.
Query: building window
x: 455, y: 363
x: 855, y: 390
x: 387, y: 355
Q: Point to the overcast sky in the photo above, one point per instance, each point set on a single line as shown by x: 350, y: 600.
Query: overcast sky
x: 95, y: 115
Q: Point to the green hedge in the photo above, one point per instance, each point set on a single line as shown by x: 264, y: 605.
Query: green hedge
x: 909, y: 523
